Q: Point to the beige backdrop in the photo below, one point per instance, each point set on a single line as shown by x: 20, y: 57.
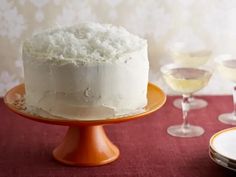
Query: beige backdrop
x: 162, y: 22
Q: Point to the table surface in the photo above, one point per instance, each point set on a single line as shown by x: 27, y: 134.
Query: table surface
x: 146, y: 149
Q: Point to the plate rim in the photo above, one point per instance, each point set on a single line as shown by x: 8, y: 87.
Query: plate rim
x: 222, y: 157
x: 214, y: 159
x: 217, y: 134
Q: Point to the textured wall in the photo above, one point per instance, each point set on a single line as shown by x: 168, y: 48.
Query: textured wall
x: 162, y: 22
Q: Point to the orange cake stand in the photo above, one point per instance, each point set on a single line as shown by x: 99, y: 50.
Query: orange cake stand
x: 85, y: 143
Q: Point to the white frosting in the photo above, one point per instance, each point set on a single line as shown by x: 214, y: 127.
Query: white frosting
x: 73, y: 78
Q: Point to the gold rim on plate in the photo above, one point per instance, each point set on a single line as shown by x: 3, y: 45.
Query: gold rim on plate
x: 213, y: 149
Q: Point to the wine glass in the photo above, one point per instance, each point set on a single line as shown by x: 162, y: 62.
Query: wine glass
x: 190, y: 56
x: 226, y: 65
x: 185, y: 80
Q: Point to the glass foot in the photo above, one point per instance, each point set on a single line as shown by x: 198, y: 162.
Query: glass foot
x: 189, y: 131
x: 227, y: 118
x: 195, y: 103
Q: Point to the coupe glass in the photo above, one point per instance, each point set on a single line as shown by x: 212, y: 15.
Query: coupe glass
x: 227, y: 68
x: 186, y: 81
x: 190, y: 56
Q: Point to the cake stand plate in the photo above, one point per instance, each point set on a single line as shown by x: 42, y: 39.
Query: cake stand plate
x: 85, y: 143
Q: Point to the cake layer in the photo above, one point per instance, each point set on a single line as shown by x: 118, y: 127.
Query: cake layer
x: 86, y: 88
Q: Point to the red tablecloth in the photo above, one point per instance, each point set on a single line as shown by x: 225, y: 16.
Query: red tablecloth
x: 146, y: 148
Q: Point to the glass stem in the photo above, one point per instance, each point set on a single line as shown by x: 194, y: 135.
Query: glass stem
x: 234, y: 101
x: 185, y: 109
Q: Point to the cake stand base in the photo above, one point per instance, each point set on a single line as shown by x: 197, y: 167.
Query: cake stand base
x: 86, y: 146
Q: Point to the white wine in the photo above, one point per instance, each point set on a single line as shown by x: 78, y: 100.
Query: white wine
x: 186, y: 80
x: 191, y: 59
x: 228, y: 69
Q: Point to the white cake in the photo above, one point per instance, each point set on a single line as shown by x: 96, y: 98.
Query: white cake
x: 85, y: 71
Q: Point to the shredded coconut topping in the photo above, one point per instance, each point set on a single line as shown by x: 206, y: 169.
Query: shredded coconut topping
x: 87, y: 41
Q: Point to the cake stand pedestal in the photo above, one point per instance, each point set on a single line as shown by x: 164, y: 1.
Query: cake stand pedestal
x: 85, y: 143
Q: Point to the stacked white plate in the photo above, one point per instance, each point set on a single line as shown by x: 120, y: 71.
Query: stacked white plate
x: 222, y: 149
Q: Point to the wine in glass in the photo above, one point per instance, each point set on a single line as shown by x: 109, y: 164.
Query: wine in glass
x: 185, y: 80
x: 227, y: 68
x: 188, y: 56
